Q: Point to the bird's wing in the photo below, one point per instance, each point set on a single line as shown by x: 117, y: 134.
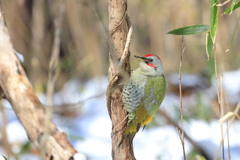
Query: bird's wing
x: 155, y: 90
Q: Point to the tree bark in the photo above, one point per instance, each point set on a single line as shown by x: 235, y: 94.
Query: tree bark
x: 119, y: 70
x: 19, y: 92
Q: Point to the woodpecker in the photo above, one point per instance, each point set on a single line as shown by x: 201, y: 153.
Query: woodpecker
x: 143, y: 93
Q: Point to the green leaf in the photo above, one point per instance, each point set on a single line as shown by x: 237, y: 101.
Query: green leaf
x: 234, y: 6
x: 233, y: 34
x: 209, y: 45
x: 25, y: 148
x: 193, y: 29
x: 5, y: 158
x: 213, y: 18
x: 200, y: 157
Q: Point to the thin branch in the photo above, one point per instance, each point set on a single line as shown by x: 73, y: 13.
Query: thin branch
x: 229, y: 150
x: 227, y: 125
x: 54, y: 59
x: 98, y: 15
x: 114, y: 79
x: 126, y: 48
x: 190, y: 140
x: 120, y: 123
x: 181, y: 133
x: 5, y: 143
x: 26, y: 105
x: 222, y: 4
x: 66, y: 108
x: 235, y: 114
x: 71, y: 107
x: 218, y: 96
x: 221, y: 111
x: 53, y: 68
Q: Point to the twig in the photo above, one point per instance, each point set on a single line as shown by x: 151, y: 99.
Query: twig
x: 228, y: 136
x: 235, y: 114
x: 229, y: 119
x: 229, y: 151
x: 98, y: 15
x: 68, y: 107
x: 227, y: 125
x: 53, y: 67
x: 71, y: 107
x: 114, y: 79
x: 111, y: 83
x: 120, y: 122
x: 54, y: 58
x: 190, y: 140
x: 181, y: 135
x: 221, y: 111
x: 222, y: 4
x: 5, y: 143
x: 218, y: 96
x: 19, y: 92
x: 126, y: 48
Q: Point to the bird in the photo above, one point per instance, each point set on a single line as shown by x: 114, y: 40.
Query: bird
x: 143, y: 93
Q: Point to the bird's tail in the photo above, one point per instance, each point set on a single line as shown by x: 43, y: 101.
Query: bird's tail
x: 130, y: 131
x: 133, y: 127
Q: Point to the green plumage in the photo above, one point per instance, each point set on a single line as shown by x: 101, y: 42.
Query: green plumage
x: 154, y: 89
x: 154, y: 93
x: 143, y: 93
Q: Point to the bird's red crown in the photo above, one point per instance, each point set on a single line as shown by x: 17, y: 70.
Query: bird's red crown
x: 148, y: 55
x: 150, y: 64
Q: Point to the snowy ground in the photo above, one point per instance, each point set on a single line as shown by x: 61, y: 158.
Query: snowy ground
x: 90, y: 131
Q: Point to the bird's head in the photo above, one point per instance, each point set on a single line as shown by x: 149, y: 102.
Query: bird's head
x: 150, y: 64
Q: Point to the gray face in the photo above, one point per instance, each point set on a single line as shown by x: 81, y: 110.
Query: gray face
x: 152, y: 66
x: 155, y: 61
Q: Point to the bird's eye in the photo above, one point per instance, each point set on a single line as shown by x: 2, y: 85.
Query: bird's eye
x: 148, y: 60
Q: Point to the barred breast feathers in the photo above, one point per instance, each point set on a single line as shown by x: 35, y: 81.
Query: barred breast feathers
x: 133, y: 91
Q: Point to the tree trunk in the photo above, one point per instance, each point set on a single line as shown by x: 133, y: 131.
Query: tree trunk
x: 19, y: 92
x: 118, y: 29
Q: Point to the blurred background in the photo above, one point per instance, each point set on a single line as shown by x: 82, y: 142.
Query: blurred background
x: 80, y: 105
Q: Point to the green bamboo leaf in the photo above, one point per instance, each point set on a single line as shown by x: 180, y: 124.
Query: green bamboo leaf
x: 234, y: 6
x: 209, y: 45
x: 5, y: 158
x: 200, y: 157
x: 233, y: 34
x: 193, y: 29
x: 25, y: 147
x: 213, y: 18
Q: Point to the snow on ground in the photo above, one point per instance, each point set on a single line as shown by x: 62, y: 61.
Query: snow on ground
x: 231, y: 85
x: 156, y: 142
x: 90, y: 132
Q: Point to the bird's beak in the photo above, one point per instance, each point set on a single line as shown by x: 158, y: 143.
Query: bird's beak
x: 147, y: 60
